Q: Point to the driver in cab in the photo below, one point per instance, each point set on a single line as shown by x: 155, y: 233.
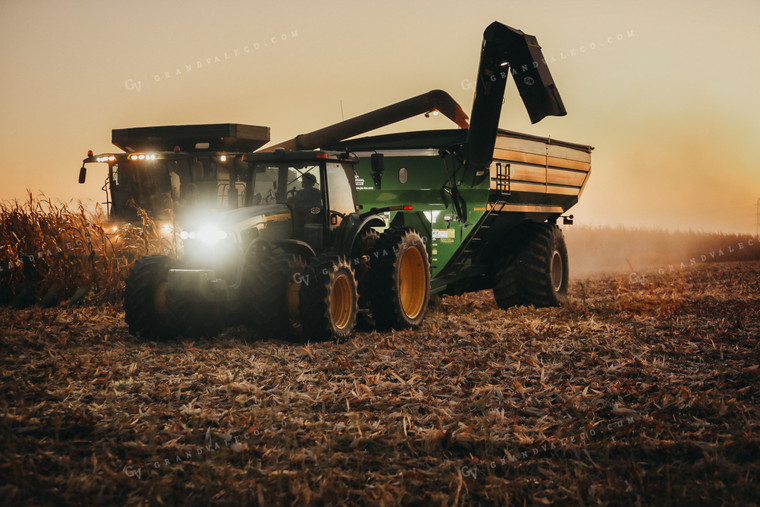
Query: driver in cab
x: 308, y: 197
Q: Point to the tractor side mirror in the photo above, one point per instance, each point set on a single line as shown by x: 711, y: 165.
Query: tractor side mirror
x: 377, y: 161
x: 82, y: 174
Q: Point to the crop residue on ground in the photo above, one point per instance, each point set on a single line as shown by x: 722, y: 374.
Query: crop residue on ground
x: 631, y: 393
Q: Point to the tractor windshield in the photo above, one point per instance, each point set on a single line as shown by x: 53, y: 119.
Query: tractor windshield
x: 280, y: 183
x: 301, y: 186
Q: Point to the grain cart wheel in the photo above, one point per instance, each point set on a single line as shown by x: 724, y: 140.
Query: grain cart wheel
x: 361, y: 255
x: 538, y: 275
x: 328, y: 299
x: 506, y: 292
x: 400, y: 279
x: 269, y: 295
x: 145, y: 298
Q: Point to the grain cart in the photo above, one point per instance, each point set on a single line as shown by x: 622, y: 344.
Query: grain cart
x: 485, y: 200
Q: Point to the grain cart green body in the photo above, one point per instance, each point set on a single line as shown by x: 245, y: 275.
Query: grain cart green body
x: 477, y: 221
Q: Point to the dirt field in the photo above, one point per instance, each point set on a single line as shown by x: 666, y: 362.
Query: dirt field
x: 639, y: 391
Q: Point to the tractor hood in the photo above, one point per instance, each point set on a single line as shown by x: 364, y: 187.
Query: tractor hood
x: 242, y: 219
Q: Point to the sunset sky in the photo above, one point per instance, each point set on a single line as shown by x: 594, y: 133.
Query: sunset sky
x: 666, y: 92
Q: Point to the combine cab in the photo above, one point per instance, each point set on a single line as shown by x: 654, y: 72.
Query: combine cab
x: 185, y: 169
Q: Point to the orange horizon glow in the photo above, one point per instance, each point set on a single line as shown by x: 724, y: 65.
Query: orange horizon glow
x: 666, y: 93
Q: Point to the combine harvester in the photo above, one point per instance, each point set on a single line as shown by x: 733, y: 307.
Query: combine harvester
x: 380, y: 222
x: 175, y: 172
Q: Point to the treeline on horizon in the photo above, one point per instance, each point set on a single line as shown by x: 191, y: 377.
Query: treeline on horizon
x: 594, y: 249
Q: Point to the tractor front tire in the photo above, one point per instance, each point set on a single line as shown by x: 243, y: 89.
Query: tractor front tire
x: 145, y: 298
x: 399, y: 279
x: 192, y: 317
x: 269, y: 295
x: 538, y: 273
x: 328, y: 302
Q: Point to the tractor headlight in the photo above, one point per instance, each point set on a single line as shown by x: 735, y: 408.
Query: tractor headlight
x: 208, y: 234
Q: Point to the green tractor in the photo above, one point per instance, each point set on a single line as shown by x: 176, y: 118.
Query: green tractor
x: 364, y: 230
x: 294, y: 262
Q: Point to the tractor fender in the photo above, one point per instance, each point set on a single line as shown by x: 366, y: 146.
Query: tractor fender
x: 354, y: 226
x: 295, y: 246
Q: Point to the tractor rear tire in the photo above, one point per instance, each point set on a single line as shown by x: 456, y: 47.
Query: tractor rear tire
x: 361, y: 256
x: 538, y: 273
x: 328, y: 302
x: 269, y: 295
x: 145, y: 298
x: 399, y: 279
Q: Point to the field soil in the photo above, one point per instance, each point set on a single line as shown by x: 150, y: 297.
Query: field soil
x: 641, y: 390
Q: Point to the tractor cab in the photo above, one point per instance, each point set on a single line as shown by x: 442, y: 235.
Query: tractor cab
x: 317, y: 188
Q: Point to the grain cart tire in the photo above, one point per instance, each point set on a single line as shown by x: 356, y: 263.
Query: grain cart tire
x: 538, y: 274
x: 145, y: 298
x: 399, y: 279
x: 269, y: 295
x: 361, y: 255
x: 328, y: 299
x: 506, y: 291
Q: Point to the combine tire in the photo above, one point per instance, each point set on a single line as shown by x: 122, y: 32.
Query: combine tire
x: 270, y: 293
x: 145, y: 297
x: 361, y: 256
x: 399, y: 279
x: 328, y: 299
x: 537, y: 274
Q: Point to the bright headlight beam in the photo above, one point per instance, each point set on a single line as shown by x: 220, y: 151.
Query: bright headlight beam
x: 211, y: 234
